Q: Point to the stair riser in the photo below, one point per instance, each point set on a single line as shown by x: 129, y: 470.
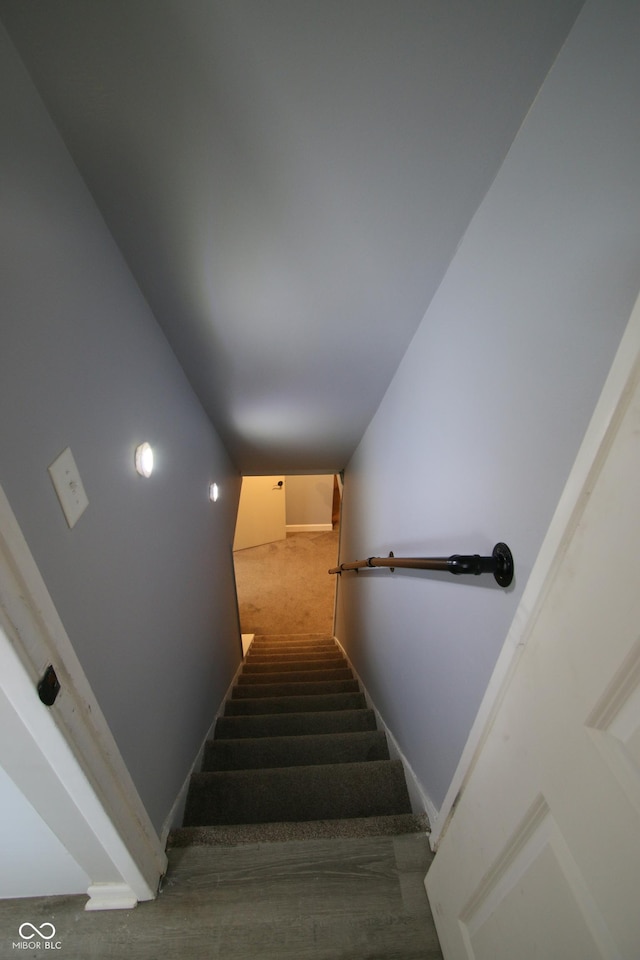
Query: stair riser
x: 285, y: 666
x: 295, y: 724
x: 293, y: 638
x: 289, y: 657
x: 294, y: 676
x: 309, y: 645
x: 253, y: 754
x: 297, y: 746
x: 294, y: 644
x: 337, y: 701
x: 298, y: 794
x: 292, y: 647
x: 307, y: 688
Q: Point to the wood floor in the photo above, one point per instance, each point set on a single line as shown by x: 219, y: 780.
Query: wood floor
x: 360, y: 899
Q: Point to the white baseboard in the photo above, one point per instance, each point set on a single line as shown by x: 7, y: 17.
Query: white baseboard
x: 420, y: 800
x: 309, y: 527
x: 110, y: 896
x: 174, y: 819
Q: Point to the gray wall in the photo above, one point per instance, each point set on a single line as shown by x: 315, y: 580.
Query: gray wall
x: 309, y: 499
x: 144, y: 582
x: 477, y: 433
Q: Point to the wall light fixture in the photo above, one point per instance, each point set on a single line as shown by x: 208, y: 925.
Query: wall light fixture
x: 144, y: 459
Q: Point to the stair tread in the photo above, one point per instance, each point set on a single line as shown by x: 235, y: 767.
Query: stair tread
x: 290, y: 641
x: 323, y: 791
x: 294, y: 724
x: 296, y: 753
x: 304, y: 750
x: 302, y: 648
x: 277, y: 832
x: 292, y: 637
x: 278, y: 657
x: 294, y: 688
x: 285, y: 666
x: 313, y: 771
x: 294, y: 676
x: 294, y: 640
x: 295, y: 704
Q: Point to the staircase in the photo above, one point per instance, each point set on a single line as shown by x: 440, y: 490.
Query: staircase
x: 296, y: 755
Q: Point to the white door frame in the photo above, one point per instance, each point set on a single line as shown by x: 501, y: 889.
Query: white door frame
x: 595, y: 446
x: 64, y: 758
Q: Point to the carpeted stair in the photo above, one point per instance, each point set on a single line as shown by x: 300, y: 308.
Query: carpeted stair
x: 296, y: 755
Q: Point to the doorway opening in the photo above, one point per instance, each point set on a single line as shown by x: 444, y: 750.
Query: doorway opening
x: 286, y: 540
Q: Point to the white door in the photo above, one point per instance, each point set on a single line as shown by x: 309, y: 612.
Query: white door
x: 262, y: 512
x: 542, y: 855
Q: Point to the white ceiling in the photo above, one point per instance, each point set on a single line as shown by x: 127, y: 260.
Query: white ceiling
x: 288, y: 180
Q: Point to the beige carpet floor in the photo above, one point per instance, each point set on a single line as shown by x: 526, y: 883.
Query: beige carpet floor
x: 284, y: 587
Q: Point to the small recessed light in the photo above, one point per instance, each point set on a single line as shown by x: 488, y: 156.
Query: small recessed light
x: 144, y: 460
x: 214, y: 492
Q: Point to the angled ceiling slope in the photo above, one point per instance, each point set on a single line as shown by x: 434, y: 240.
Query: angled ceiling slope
x: 288, y: 180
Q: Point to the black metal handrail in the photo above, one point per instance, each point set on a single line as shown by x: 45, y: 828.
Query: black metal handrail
x: 500, y: 564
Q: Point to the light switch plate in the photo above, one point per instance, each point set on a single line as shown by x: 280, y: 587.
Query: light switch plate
x: 68, y: 485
